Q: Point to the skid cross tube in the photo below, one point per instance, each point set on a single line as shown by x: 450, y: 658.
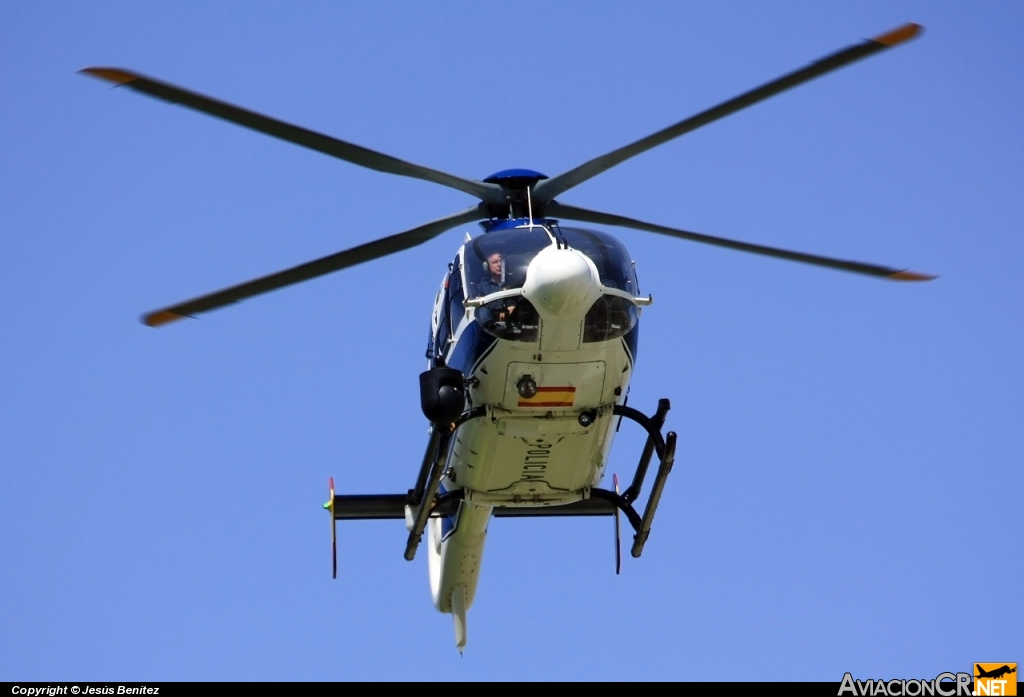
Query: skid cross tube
x: 619, y: 502
x: 653, y: 431
x: 657, y: 421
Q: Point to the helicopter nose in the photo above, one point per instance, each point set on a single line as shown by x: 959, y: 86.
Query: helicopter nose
x: 561, y: 283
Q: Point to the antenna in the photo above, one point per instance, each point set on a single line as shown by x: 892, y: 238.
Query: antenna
x: 529, y: 205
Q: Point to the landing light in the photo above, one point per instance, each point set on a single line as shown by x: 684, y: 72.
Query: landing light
x: 527, y: 387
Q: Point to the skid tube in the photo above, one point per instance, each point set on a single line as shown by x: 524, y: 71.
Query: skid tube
x: 665, y: 448
x: 427, y: 484
x: 423, y: 501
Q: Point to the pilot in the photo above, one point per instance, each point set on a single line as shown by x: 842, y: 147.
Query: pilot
x: 491, y: 284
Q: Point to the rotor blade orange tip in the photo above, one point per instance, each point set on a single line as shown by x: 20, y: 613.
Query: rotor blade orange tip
x: 115, y: 75
x: 155, y: 319
x: 899, y: 35
x: 911, y: 276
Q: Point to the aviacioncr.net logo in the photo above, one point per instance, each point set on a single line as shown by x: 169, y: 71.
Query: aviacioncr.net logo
x: 942, y: 685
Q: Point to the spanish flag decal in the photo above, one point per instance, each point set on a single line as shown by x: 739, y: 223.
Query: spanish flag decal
x: 551, y: 398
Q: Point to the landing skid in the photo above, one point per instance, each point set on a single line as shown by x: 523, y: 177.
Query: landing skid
x: 424, y: 501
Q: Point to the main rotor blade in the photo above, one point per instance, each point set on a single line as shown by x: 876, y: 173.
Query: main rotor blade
x: 349, y: 152
x: 562, y: 210
x: 548, y: 189
x: 312, y: 269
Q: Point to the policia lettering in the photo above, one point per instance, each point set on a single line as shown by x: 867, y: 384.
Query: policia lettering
x: 535, y: 464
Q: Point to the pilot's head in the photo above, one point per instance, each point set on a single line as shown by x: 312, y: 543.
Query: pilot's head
x: 494, y: 266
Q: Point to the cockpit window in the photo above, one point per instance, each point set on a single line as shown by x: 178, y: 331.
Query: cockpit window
x: 498, y: 260
x: 608, y: 254
x: 512, y: 319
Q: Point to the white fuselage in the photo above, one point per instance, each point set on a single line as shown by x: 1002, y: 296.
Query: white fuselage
x: 532, y: 448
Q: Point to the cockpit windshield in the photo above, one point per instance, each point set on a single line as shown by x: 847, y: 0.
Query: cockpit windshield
x: 498, y: 260
x: 608, y: 254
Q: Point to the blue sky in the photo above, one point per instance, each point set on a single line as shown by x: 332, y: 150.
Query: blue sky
x: 846, y: 494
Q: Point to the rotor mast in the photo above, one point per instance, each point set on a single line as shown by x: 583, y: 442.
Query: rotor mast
x: 519, y: 203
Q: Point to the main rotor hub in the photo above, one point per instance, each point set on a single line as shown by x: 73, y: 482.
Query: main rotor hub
x: 516, y: 183
x: 515, y: 178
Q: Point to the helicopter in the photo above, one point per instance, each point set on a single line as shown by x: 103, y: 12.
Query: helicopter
x: 532, y: 344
